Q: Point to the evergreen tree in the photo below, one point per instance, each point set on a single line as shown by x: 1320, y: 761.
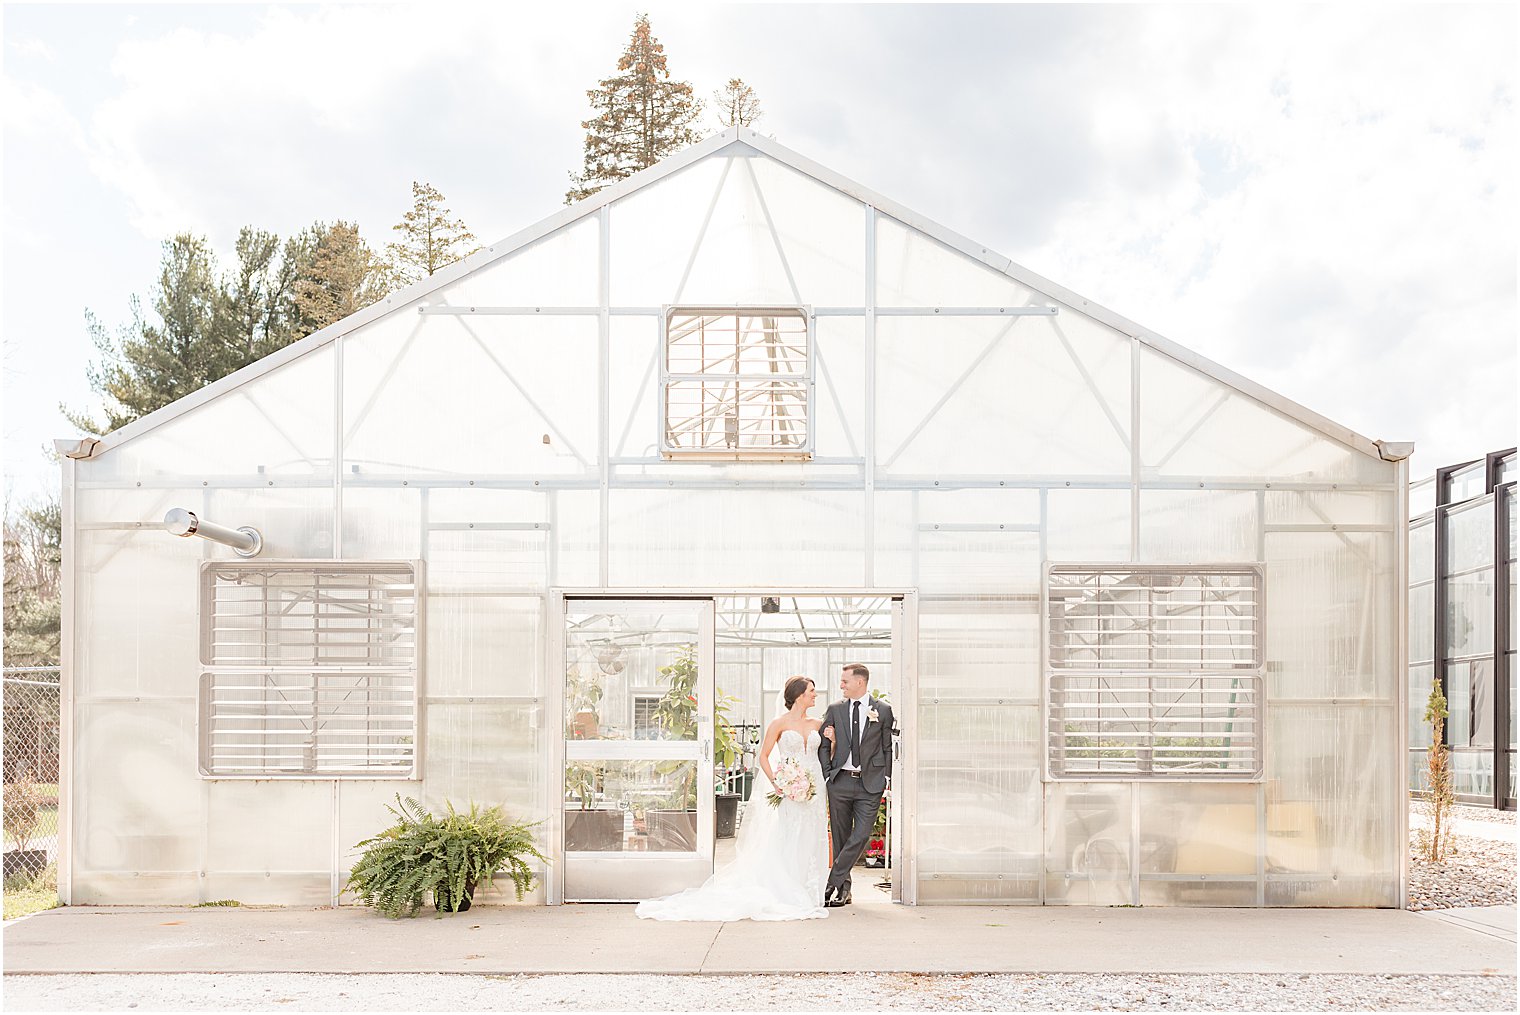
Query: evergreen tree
x: 737, y: 103
x: 431, y: 238
x: 208, y: 326
x: 340, y: 275
x: 33, y: 586
x: 641, y: 116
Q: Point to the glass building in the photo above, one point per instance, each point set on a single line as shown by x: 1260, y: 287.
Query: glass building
x: 551, y: 528
x: 1462, y: 624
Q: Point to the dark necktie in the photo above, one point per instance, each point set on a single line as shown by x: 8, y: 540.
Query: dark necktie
x: 855, y: 735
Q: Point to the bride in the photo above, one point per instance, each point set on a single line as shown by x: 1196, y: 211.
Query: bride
x: 782, y: 856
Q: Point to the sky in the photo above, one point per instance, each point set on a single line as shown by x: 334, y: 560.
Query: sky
x: 1322, y: 199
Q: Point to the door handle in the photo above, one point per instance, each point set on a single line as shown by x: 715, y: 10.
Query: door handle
x: 707, y: 750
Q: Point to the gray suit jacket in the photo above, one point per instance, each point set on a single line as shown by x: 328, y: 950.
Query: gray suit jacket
x: 875, y: 744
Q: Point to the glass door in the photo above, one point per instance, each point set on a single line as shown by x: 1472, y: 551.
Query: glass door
x: 638, y: 728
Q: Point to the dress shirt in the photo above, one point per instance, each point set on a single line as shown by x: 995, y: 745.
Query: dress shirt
x: 852, y: 763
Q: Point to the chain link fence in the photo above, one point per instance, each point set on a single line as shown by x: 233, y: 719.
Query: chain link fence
x: 31, y: 758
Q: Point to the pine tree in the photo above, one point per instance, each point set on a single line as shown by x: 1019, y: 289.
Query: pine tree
x: 208, y: 326
x: 430, y: 238
x: 737, y: 103
x: 33, y: 584
x: 340, y: 275
x: 641, y: 116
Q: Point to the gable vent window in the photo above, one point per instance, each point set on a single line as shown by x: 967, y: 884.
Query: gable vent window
x: 1154, y: 672
x: 310, y: 669
x: 737, y: 384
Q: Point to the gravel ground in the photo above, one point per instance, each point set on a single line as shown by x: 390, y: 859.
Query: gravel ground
x: 1480, y: 873
x: 803, y: 993
x: 1462, y: 812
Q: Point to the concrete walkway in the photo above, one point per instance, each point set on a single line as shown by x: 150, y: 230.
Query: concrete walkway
x: 587, y: 938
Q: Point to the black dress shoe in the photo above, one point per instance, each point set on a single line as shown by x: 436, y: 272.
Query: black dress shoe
x: 833, y: 902
x: 846, y: 899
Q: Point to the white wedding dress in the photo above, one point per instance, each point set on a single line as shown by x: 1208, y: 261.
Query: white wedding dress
x: 782, y: 863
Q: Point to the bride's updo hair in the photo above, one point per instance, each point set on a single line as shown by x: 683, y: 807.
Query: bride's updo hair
x: 795, y: 688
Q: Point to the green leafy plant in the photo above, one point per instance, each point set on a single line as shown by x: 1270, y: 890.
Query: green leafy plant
x: 676, y: 714
x: 448, y: 855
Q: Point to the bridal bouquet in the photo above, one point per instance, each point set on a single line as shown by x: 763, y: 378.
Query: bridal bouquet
x: 793, y: 782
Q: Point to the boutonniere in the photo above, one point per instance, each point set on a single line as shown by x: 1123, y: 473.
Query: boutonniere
x: 871, y: 715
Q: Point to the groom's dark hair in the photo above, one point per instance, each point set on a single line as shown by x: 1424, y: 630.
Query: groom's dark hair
x: 859, y: 669
x: 795, y: 688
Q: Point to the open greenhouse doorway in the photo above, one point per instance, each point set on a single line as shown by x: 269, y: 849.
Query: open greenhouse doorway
x: 764, y: 641
x: 665, y: 704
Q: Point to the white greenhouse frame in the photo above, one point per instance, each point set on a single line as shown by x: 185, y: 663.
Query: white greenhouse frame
x: 918, y: 493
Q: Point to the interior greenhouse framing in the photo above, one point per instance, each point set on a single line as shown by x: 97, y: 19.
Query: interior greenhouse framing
x: 544, y: 528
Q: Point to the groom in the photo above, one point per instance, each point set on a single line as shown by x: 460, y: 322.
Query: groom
x: 857, y: 766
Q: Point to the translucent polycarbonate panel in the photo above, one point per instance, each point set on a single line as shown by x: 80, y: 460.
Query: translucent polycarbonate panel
x: 268, y: 889
x: 484, y: 645
x: 1338, y: 813
x: 980, y: 649
x: 1014, y: 396
x: 138, y: 801
x: 277, y: 424
x: 383, y: 523
x: 488, y: 560
x: 915, y: 270
x: 364, y: 809
x: 1198, y: 830
x: 985, y: 507
x: 1422, y: 622
x: 633, y: 392
x: 1194, y: 426
x: 1466, y: 483
x: 726, y: 538
x: 240, y: 815
x: 1088, y: 851
x: 821, y: 232
x: 186, y: 888
x: 839, y: 400
x: 559, y: 270
x: 1330, y: 615
x: 1087, y: 525
x: 1470, y: 614
x: 1343, y: 506
x: 1188, y: 526
x: 1507, y: 470
x: 295, y: 522
x: 486, y: 752
x: 471, y: 396
x: 737, y: 228
x: 1421, y: 677
x: 136, y: 590
x: 1422, y: 552
x: 978, y: 810
x: 575, y: 558
x: 1218, y: 892
x: 977, y: 562
x: 1470, y: 536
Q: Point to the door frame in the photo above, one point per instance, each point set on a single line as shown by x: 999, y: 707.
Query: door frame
x: 904, y: 775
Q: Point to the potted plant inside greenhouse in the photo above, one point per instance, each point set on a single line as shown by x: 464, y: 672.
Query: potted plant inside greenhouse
x: 590, y: 827
x: 450, y: 857
x: 674, y: 826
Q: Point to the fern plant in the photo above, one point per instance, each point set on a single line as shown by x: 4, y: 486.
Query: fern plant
x: 448, y: 855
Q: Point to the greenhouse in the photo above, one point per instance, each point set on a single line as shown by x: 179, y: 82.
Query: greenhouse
x: 551, y: 528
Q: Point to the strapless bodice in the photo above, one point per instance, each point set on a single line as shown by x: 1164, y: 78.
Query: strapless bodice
x: 792, y: 743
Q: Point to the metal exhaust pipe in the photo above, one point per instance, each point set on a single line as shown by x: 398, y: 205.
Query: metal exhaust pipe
x: 245, y: 541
